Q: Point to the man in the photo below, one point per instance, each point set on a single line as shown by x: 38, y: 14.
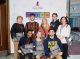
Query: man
x: 55, y: 21
x: 34, y: 26
x: 52, y: 46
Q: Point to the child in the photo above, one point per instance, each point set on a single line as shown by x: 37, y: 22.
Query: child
x: 38, y: 46
x: 52, y: 46
x: 26, y: 45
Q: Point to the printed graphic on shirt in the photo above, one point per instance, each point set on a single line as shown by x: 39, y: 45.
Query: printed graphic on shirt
x: 51, y: 44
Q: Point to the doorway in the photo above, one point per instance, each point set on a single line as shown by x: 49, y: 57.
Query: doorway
x: 3, y: 28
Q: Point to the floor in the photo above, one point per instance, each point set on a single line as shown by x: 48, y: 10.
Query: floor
x: 71, y: 57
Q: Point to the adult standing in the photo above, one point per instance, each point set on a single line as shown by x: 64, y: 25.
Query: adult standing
x: 63, y: 33
x: 17, y: 31
x: 44, y: 27
x: 55, y: 21
x: 34, y: 26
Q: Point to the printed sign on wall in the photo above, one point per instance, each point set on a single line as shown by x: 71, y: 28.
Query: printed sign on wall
x: 39, y: 14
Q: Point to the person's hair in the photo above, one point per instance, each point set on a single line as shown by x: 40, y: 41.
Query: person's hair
x: 65, y: 19
x: 29, y: 30
x: 55, y: 14
x: 44, y: 19
x: 51, y: 28
x: 19, y: 17
x: 32, y: 14
x: 37, y: 33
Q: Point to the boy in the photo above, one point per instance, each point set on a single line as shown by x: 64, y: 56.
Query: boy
x: 26, y: 46
x: 55, y: 21
x: 52, y: 46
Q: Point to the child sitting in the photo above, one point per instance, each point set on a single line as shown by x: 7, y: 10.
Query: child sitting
x: 26, y: 45
x: 38, y: 46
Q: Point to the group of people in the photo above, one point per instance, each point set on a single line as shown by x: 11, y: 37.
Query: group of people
x: 46, y: 39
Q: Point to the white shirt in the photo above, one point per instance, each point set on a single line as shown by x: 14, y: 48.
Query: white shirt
x: 63, y: 31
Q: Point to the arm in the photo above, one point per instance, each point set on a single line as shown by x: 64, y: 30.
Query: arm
x: 25, y: 30
x: 13, y: 34
x: 67, y: 34
x: 37, y: 27
x: 60, y: 45
x: 46, y: 48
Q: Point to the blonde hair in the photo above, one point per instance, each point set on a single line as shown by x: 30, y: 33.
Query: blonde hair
x: 47, y: 26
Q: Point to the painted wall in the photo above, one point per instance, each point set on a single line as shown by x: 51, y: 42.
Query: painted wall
x: 20, y: 7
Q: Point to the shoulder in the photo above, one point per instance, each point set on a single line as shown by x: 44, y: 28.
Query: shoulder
x: 51, y: 22
x: 36, y: 22
x: 27, y: 23
x: 14, y: 24
x: 68, y: 25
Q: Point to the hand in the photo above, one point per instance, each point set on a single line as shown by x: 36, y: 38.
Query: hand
x: 60, y: 53
x: 61, y: 37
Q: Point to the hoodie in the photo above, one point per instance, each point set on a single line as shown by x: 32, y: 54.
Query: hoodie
x: 49, y: 43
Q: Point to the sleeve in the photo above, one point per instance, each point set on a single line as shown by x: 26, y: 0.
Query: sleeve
x: 60, y: 45
x: 13, y: 34
x: 25, y: 30
x: 46, y: 50
x: 67, y: 33
x: 58, y: 30
x: 22, y: 41
x: 37, y: 27
x: 51, y: 24
x: 34, y: 45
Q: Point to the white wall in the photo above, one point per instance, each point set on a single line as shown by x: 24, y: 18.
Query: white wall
x: 20, y: 7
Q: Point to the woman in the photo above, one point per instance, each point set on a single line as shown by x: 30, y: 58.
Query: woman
x: 44, y: 27
x: 63, y: 32
x: 17, y: 31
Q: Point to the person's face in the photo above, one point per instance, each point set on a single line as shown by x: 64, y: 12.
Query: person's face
x: 39, y: 35
x: 32, y: 18
x: 29, y: 33
x: 51, y: 32
x: 44, y: 21
x: 19, y: 20
x: 54, y: 17
x: 63, y: 21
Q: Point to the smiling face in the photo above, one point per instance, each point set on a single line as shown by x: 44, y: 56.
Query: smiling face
x: 32, y: 18
x: 29, y: 34
x: 51, y: 32
x: 63, y: 21
x: 19, y: 19
x: 54, y: 17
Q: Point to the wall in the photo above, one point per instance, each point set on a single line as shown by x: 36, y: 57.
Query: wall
x: 20, y: 7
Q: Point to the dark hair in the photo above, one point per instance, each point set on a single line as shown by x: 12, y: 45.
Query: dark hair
x: 29, y: 30
x: 51, y: 28
x: 55, y: 14
x: 32, y: 14
x: 65, y: 19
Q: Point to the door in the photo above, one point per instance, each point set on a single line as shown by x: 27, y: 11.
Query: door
x: 3, y: 30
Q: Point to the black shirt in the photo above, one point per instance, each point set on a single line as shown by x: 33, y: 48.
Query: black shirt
x: 16, y: 28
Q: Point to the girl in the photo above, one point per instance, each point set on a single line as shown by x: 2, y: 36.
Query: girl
x: 38, y: 46
x: 44, y: 27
